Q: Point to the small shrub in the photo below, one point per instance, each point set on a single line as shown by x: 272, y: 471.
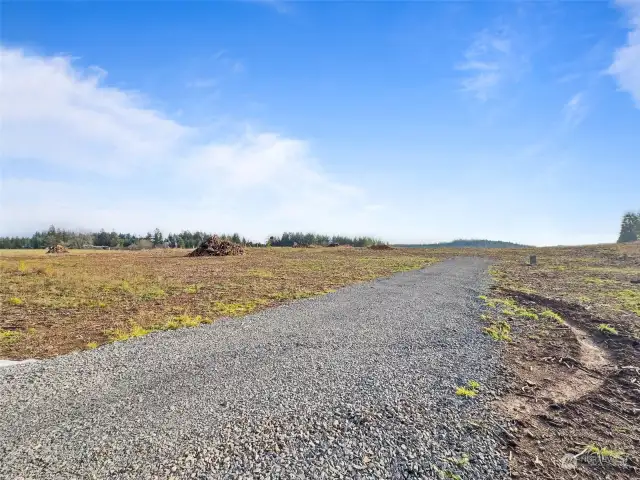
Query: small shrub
x: 15, y: 301
x: 608, y: 329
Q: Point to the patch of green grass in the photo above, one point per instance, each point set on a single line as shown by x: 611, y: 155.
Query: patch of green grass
x: 468, y: 391
x: 599, y: 281
x: 447, y: 474
x: 261, y: 273
x: 465, y: 392
x: 236, y: 309
x: 153, y: 293
x: 499, y: 330
x: 92, y: 345
x: 558, y: 268
x: 118, y: 335
x: 550, y: 314
x: 517, y: 311
x: 473, y: 384
x: 192, y: 289
x: 604, y: 452
x: 9, y: 336
x: 608, y: 329
x: 630, y: 300
x: 125, y: 286
x: 184, y: 321
x: 461, y: 462
x: 15, y: 301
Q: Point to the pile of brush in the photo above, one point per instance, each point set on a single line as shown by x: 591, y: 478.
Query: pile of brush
x: 57, y: 249
x: 215, y: 247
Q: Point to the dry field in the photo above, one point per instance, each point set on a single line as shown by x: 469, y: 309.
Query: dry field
x: 55, y: 304
x: 570, y: 327
x: 571, y: 330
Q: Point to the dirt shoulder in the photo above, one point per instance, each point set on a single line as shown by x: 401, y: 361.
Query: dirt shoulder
x: 573, y: 361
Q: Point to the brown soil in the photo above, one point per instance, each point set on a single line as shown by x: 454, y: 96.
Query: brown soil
x: 571, y: 387
x: 215, y: 247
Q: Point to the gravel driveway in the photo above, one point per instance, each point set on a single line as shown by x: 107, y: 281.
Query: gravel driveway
x: 359, y: 383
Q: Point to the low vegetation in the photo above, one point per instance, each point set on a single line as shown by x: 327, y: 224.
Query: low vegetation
x: 470, y: 390
x: 86, y: 298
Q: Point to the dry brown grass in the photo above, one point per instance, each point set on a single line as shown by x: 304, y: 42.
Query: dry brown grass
x: 53, y: 304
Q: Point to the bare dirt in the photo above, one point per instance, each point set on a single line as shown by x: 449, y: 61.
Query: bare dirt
x: 571, y: 389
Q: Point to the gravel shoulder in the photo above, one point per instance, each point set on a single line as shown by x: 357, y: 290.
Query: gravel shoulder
x: 359, y: 383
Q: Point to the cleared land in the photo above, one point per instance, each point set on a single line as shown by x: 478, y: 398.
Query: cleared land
x: 55, y: 304
x: 568, y: 328
x: 360, y: 383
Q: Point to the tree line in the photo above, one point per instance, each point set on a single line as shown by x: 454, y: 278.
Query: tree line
x: 630, y: 227
x: 185, y: 239
x: 288, y: 239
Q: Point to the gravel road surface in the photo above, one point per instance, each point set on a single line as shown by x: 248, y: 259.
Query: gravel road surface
x: 359, y: 383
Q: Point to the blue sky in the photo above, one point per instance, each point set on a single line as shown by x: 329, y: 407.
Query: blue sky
x: 411, y: 121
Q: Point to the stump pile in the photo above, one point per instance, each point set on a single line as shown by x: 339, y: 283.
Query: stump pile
x: 215, y: 247
x: 57, y: 249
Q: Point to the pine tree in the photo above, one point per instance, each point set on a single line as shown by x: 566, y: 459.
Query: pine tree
x: 629, y: 228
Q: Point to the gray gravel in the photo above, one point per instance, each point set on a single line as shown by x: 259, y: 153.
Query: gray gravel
x: 355, y: 384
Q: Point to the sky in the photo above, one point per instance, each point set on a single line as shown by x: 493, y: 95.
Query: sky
x: 408, y: 121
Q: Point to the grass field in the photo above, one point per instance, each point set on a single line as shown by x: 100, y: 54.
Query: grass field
x: 54, y: 304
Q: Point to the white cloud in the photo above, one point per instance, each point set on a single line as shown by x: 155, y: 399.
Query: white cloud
x: 54, y: 112
x: 100, y: 140
x: 487, y: 64
x: 626, y: 63
x: 575, y: 110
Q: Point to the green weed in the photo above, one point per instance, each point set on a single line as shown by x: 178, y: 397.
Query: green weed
x: 92, y: 345
x: 608, y: 329
x: 604, y: 452
x: 118, y: 335
x: 192, y: 289
x: 550, y: 314
x: 499, y: 331
x: 630, y: 300
x: 15, y: 301
x: 461, y: 462
x: 469, y: 391
x: 9, y: 336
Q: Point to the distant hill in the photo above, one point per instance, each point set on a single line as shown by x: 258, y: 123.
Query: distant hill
x: 465, y: 244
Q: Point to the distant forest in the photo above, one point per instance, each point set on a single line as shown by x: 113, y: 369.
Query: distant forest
x: 185, y: 239
x: 466, y: 243
x: 630, y: 227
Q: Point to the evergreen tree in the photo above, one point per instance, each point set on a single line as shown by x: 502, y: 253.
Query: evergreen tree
x: 630, y: 228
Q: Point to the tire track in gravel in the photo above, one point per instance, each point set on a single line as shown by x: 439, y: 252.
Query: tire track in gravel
x: 355, y: 384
